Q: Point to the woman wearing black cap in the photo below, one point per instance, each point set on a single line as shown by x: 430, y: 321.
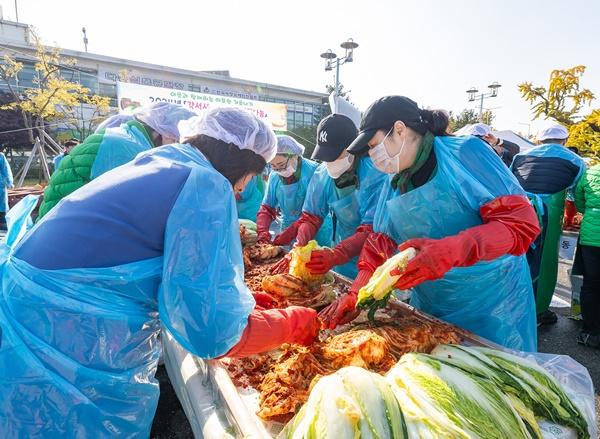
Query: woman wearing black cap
x: 347, y: 187
x: 454, y: 201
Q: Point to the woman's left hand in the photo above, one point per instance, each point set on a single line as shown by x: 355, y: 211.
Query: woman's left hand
x: 435, y: 257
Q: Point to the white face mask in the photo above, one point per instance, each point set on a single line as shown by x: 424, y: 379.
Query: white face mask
x: 289, y: 169
x: 337, y: 168
x: 382, y: 160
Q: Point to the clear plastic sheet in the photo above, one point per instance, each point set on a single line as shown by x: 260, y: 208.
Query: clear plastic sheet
x: 576, y: 382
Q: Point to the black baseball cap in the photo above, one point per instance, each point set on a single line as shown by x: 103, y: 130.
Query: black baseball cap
x: 334, y: 134
x: 381, y: 115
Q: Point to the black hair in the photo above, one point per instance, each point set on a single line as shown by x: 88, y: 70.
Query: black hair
x: 231, y: 162
x: 554, y: 141
x: 436, y: 121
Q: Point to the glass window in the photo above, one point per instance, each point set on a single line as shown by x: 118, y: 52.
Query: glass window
x: 308, y: 119
x: 90, y: 81
x: 109, y: 90
x: 299, y: 118
x: 26, y: 76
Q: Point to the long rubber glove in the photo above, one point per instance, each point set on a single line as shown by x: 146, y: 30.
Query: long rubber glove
x: 288, y: 235
x: 264, y: 300
x: 269, y: 329
x: 309, y: 225
x: 265, y: 216
x: 509, y: 226
x: 321, y: 261
x: 377, y: 249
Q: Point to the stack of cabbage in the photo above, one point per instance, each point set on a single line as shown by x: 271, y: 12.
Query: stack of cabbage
x: 455, y: 392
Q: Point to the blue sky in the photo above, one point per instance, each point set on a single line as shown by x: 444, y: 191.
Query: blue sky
x: 430, y: 50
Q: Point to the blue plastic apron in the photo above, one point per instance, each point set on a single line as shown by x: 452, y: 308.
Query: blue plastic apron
x: 250, y: 200
x: 61, y: 388
x: 492, y: 299
x: 291, y: 199
x: 347, y: 214
x: 79, y: 347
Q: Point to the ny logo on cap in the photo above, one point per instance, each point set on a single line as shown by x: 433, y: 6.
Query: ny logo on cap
x: 323, y: 137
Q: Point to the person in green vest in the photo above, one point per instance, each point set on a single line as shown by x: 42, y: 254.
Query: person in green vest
x: 546, y: 173
x: 587, y: 200
x: 151, y: 126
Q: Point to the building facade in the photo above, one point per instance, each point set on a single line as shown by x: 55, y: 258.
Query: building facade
x: 101, y: 73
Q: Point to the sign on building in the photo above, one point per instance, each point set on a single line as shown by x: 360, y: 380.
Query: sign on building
x: 135, y: 95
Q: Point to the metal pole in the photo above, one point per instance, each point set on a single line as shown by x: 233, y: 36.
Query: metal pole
x: 337, y: 77
x: 481, y: 108
x: 16, y: 11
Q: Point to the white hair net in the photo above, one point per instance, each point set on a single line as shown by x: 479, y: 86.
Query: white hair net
x: 554, y: 131
x: 114, y: 121
x: 233, y: 125
x: 477, y: 129
x: 163, y: 117
x: 288, y: 145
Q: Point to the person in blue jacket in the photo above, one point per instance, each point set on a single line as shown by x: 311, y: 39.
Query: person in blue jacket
x: 69, y: 145
x: 6, y: 182
x: 152, y: 244
x: 454, y: 201
x: 286, y: 191
x: 548, y: 173
x: 249, y: 200
x: 347, y: 188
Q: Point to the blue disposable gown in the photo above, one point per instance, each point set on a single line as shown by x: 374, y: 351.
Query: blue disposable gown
x: 250, y: 199
x: 350, y: 206
x: 493, y: 299
x: 6, y: 181
x: 119, y: 145
x: 57, y: 159
x: 79, y: 347
x: 289, y: 199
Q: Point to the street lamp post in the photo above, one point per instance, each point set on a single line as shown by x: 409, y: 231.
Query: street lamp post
x: 473, y: 96
x: 332, y: 60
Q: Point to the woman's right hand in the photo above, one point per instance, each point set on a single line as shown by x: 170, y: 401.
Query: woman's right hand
x: 304, y: 324
x: 340, y: 312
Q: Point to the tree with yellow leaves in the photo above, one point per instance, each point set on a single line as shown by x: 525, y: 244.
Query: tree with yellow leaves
x: 55, y: 98
x: 561, y: 101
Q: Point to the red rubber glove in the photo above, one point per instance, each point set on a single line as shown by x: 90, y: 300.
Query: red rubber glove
x: 308, y: 226
x: 321, y: 261
x: 509, y: 226
x: 265, y: 216
x: 282, y: 266
x: 343, y: 310
x: 271, y: 328
x: 288, y: 235
x: 264, y: 300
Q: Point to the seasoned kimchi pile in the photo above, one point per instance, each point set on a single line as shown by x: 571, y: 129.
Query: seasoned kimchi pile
x: 287, y: 290
x: 284, y: 378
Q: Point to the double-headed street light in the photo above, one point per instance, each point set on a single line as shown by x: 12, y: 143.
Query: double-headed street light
x: 473, y: 96
x: 332, y: 60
